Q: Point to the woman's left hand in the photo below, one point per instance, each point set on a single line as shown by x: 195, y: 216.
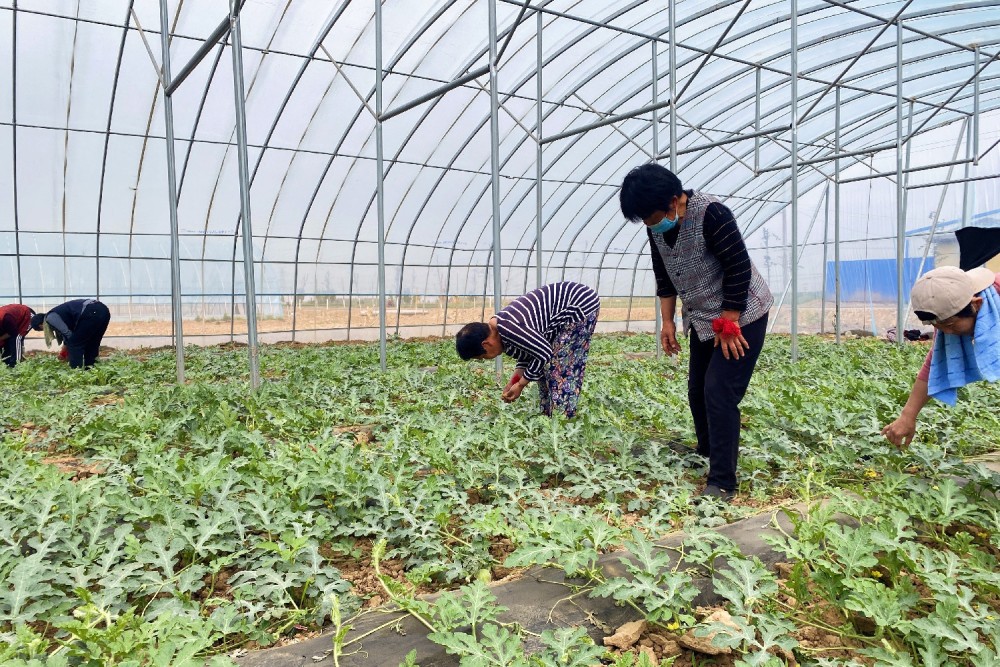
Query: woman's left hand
x: 733, y: 347
x: 513, y: 392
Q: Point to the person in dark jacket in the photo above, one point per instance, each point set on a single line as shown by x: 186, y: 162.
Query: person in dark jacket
x: 699, y: 257
x: 79, y: 325
x: 15, y: 323
x: 548, y: 332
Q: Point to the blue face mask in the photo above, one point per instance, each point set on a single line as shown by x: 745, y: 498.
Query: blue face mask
x: 665, y: 225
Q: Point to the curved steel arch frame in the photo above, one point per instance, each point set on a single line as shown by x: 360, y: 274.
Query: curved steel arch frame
x: 854, y: 135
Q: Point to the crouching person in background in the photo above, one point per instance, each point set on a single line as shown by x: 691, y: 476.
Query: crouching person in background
x: 15, y: 323
x: 548, y: 332
x: 79, y: 325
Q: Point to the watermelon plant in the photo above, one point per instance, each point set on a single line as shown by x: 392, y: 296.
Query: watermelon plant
x: 147, y: 523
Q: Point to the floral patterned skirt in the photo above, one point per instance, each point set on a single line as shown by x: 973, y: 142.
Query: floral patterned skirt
x: 560, y: 388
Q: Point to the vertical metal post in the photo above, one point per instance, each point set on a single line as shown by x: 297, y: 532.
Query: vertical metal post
x: 794, y: 21
x: 656, y: 151
x: 236, y: 44
x: 672, y: 51
x: 175, y: 256
x: 656, y: 98
x: 13, y: 156
x: 756, y: 126
x: 380, y: 185
x: 538, y: 155
x: 975, y: 111
x: 969, y: 185
x: 836, y: 217
x: 495, y: 164
x: 826, y: 252
x: 672, y: 56
x: 900, y: 206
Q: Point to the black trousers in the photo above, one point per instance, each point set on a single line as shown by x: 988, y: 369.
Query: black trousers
x: 11, y: 349
x: 716, y: 386
x: 85, y: 341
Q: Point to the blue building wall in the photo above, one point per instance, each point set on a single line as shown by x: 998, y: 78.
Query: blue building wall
x: 874, y: 279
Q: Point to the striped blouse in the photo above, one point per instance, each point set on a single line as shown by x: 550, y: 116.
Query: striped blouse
x: 530, y: 323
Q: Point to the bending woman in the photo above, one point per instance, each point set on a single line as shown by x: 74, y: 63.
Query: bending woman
x: 548, y: 332
x: 79, y: 325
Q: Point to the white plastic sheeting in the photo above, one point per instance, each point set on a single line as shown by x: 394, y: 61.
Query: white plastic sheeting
x: 83, y: 194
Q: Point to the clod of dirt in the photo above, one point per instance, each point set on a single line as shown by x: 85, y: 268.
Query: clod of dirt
x: 704, y: 644
x: 627, y: 635
x: 74, y: 466
x: 667, y: 648
x: 363, y: 435
x: 863, y: 624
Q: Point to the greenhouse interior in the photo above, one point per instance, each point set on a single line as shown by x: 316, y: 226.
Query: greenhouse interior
x: 265, y: 227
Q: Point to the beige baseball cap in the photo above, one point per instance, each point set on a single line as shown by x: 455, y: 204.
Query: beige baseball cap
x: 946, y: 290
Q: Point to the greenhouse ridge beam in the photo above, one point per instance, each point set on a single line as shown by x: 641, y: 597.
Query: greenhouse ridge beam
x: 210, y: 43
x: 723, y: 56
x: 607, y: 121
x: 908, y: 170
x: 954, y: 180
x: 854, y: 60
x: 437, y: 92
x: 922, y: 33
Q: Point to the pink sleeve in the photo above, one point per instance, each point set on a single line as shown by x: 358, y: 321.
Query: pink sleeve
x: 925, y: 370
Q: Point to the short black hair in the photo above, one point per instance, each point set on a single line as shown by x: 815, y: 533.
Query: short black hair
x: 469, y: 340
x: 925, y: 317
x: 646, y: 189
x: 37, y: 320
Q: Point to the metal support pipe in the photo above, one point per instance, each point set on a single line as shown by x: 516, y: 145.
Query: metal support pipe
x: 826, y: 254
x: 731, y: 140
x: 672, y: 52
x: 937, y: 218
x: 495, y: 165
x: 975, y: 110
x: 539, y: 170
x: 756, y: 126
x: 909, y: 154
x: 900, y: 206
x: 827, y: 158
x: 906, y: 170
x: 836, y: 218
x: 606, y: 121
x: 856, y: 58
x: 656, y: 151
x: 796, y: 258
x: 794, y: 53
x: 968, y: 190
x: 380, y: 184
x: 175, y: 249
x: 715, y: 47
x: 210, y: 43
x: 236, y: 44
x: 437, y: 92
x: 13, y: 153
x: 957, y: 180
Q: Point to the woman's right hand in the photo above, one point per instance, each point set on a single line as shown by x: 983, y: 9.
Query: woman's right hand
x: 901, y: 431
x: 668, y: 338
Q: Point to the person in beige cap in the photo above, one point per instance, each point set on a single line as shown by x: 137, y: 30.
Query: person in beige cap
x: 962, y: 306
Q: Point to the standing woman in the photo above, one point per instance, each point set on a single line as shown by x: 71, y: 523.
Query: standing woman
x: 699, y: 256
x: 548, y: 332
x: 15, y: 322
x: 79, y: 325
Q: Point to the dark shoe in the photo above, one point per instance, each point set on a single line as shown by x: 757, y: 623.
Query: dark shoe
x: 713, y: 491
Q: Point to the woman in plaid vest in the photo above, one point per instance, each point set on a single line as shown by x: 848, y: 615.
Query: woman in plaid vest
x: 699, y: 258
